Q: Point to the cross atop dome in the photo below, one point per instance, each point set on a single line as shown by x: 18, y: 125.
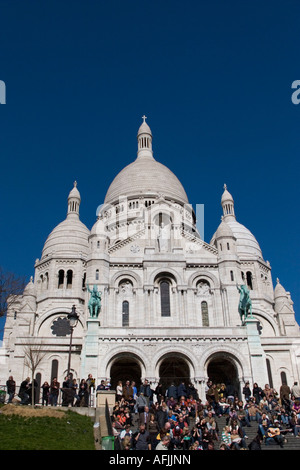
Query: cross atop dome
x: 74, y: 200
x: 144, y: 140
x: 227, y: 203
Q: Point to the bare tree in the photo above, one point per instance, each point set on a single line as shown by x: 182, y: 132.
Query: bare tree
x: 34, y: 354
x: 11, y: 286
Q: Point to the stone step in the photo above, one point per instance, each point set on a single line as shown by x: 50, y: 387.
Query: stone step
x: 293, y: 443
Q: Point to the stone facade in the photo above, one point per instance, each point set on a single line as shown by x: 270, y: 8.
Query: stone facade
x: 169, y: 301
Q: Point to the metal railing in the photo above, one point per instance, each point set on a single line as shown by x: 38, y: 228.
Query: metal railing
x: 108, y: 418
x: 38, y: 400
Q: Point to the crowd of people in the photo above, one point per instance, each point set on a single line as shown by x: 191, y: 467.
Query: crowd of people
x: 72, y: 393
x: 147, y: 418
x: 176, y: 419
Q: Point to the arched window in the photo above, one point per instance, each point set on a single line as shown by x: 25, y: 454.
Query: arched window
x: 249, y: 279
x: 204, y: 312
x: 97, y: 275
x: 69, y: 278
x: 231, y: 275
x: 269, y: 373
x: 46, y: 280
x: 125, y: 313
x: 37, y: 389
x: 165, y: 298
x: 61, y: 278
x: 283, y: 378
x: 54, y: 369
x: 83, y: 280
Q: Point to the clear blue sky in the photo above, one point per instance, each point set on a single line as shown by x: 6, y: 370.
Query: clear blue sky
x: 214, y: 79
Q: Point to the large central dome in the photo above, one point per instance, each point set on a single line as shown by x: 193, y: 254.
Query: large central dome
x: 145, y: 176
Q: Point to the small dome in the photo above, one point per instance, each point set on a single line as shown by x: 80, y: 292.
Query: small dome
x: 144, y: 128
x: 223, y: 230
x: 70, y: 237
x: 246, y: 243
x: 279, y: 290
x: 226, y: 196
x: 67, y: 238
x: 74, y: 193
x: 29, y: 289
x: 99, y: 228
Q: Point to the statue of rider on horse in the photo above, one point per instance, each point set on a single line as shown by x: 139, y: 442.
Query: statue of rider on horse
x: 94, y: 304
x: 245, y: 304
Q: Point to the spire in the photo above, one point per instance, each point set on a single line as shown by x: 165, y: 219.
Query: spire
x: 74, y: 200
x: 144, y: 138
x: 227, y: 204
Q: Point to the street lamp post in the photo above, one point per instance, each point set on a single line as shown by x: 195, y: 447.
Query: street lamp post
x: 73, y: 319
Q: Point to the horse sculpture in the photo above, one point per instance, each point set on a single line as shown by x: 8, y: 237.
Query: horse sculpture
x: 245, y: 304
x: 94, y: 304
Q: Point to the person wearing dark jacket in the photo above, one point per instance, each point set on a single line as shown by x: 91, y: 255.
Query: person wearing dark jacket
x: 191, y: 390
x: 146, y: 390
x: 257, y: 393
x: 11, y: 388
x: 255, y: 444
x: 181, y: 390
x: 172, y: 392
x: 24, y: 392
x: 247, y: 391
x: 162, y: 416
x: 159, y: 392
x: 141, y: 439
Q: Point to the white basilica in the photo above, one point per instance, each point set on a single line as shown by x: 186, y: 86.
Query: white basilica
x: 169, y: 301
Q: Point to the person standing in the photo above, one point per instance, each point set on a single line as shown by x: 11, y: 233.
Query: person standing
x: 127, y: 391
x: 247, y: 391
x: 119, y: 391
x: 45, y: 393
x: 284, y: 394
x: 146, y: 390
x: 11, y: 388
x: 91, y: 386
x: 159, y: 392
x: 54, y: 391
x: 83, y: 393
x: 153, y: 429
x: 141, y: 402
x: 257, y: 393
x: 144, y: 417
x: 295, y: 391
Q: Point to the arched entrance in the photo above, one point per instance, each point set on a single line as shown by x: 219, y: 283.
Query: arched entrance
x: 173, y: 369
x: 221, y: 368
x: 125, y: 367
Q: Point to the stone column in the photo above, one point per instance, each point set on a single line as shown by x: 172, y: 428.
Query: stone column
x: 90, y: 350
x: 256, y: 352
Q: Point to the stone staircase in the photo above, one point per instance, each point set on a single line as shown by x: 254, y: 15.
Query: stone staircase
x: 292, y: 443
